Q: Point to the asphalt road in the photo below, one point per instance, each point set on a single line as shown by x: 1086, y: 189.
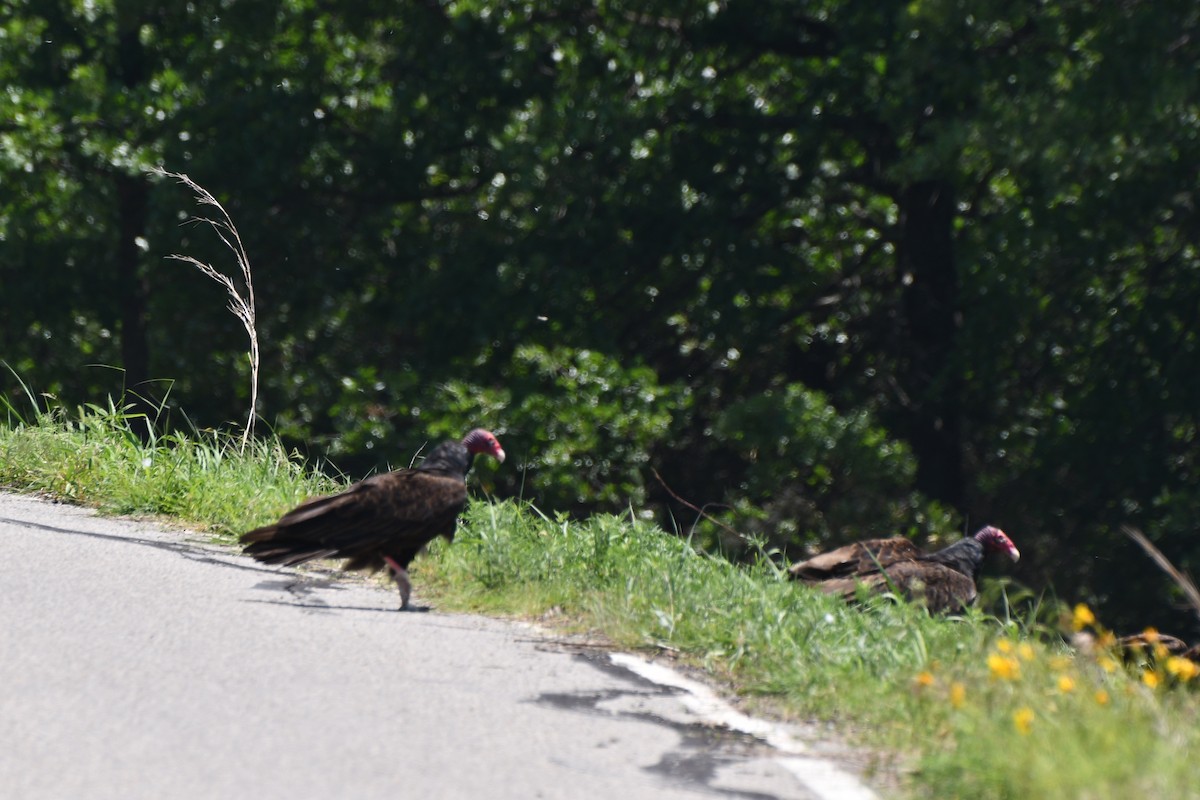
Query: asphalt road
x: 138, y: 662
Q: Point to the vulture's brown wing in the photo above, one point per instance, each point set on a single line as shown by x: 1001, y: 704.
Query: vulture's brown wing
x: 860, y: 558
x: 941, y: 588
x: 394, y: 514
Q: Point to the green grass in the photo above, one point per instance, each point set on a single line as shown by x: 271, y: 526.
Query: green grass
x: 93, y: 457
x: 974, y: 707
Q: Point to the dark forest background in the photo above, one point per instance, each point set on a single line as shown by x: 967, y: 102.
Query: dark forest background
x: 833, y: 269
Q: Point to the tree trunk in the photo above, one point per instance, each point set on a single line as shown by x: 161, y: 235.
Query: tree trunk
x: 930, y: 374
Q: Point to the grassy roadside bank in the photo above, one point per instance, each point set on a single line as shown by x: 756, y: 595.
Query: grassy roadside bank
x: 973, y: 707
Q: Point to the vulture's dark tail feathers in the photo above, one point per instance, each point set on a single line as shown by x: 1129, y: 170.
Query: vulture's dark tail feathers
x: 271, y: 545
x: 301, y: 535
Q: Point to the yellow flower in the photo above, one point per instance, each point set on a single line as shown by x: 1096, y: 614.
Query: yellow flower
x: 1151, y: 635
x: 924, y: 679
x: 1183, y: 668
x: 1082, y: 617
x: 1059, y: 663
x: 1150, y: 678
x: 1023, y: 720
x: 1109, y: 664
x: 1066, y: 683
x: 1004, y: 667
x: 1106, y: 640
x: 1025, y: 651
x: 1004, y: 646
x: 1101, y: 697
x: 958, y: 694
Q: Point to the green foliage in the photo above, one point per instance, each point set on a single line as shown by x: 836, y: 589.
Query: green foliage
x: 822, y: 477
x: 585, y: 424
x: 578, y: 425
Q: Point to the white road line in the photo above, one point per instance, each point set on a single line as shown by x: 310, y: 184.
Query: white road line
x: 821, y: 777
x: 826, y: 780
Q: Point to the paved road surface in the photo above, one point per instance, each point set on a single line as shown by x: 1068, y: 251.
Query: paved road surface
x: 142, y: 663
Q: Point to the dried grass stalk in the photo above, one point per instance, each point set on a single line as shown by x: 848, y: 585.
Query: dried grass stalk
x: 241, y: 305
x: 1186, y: 585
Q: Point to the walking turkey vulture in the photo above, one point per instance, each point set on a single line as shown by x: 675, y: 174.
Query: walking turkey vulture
x: 945, y: 580
x: 384, y: 520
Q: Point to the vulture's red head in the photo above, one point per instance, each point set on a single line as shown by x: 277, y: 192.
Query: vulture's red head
x: 995, y: 540
x: 485, y: 442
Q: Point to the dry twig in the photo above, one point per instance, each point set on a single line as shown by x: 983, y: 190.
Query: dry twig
x: 737, y: 534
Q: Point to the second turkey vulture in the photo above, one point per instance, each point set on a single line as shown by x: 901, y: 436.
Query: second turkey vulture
x: 382, y: 521
x: 945, y: 580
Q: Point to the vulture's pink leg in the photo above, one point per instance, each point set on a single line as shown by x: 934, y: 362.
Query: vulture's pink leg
x: 402, y: 581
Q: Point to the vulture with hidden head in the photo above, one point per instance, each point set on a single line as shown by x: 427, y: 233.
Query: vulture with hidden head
x: 945, y: 580
x: 384, y: 520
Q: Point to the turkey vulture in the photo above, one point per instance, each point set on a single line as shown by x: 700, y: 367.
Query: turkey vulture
x: 945, y: 579
x: 381, y: 521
